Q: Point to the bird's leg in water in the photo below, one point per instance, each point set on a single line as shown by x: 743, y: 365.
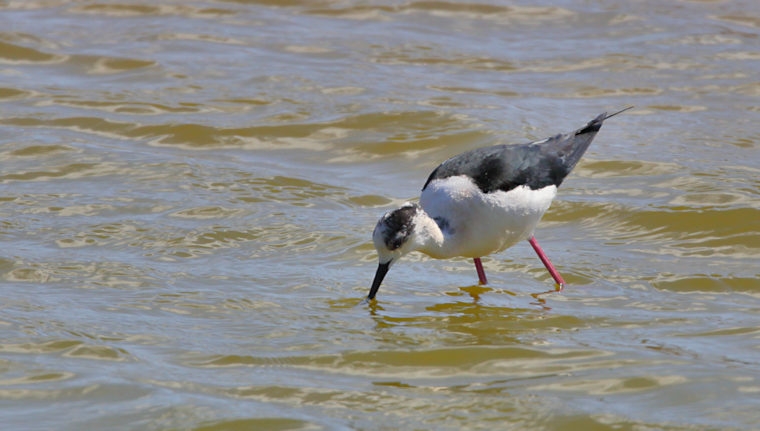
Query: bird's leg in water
x: 547, y: 263
x: 481, y: 273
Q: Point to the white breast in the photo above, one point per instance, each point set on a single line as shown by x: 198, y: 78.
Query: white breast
x: 478, y: 224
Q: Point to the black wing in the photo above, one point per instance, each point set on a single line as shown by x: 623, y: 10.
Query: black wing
x: 536, y: 164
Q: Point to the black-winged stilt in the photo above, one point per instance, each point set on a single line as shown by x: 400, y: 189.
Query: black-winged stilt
x: 483, y: 201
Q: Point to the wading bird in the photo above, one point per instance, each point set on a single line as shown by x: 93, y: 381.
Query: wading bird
x: 482, y: 202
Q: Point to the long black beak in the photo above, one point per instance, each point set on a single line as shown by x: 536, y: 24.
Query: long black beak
x: 382, y: 269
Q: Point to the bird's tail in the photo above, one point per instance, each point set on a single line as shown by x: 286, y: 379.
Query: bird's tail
x: 594, y: 125
x: 577, y: 143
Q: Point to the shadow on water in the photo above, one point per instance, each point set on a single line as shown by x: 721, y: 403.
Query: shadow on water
x: 473, y: 315
x: 475, y: 292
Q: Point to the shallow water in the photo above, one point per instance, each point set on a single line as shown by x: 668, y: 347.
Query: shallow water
x: 187, y: 194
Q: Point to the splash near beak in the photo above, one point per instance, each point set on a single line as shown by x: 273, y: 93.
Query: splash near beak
x: 382, y: 269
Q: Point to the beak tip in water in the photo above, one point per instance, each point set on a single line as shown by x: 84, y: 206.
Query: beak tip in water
x: 382, y: 269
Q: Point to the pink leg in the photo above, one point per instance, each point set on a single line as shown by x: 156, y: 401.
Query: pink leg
x: 481, y: 272
x: 547, y: 263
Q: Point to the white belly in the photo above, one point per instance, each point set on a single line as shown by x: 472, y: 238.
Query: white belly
x: 478, y: 224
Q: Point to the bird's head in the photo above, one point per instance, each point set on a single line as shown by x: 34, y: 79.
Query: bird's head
x: 394, y: 236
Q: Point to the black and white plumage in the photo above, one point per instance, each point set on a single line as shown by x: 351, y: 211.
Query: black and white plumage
x: 483, y: 201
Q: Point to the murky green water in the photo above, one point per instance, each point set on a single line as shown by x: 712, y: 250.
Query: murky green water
x: 187, y: 192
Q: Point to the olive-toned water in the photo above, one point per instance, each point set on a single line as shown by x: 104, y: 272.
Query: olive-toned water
x: 187, y: 193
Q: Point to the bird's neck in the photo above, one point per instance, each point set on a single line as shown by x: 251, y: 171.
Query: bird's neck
x: 430, y: 238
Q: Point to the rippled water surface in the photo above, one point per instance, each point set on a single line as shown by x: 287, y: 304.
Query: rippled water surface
x: 187, y: 192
